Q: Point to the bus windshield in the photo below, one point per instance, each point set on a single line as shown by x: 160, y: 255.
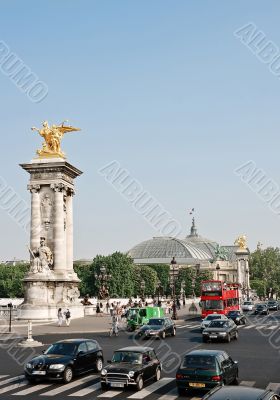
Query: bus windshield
x: 212, y: 304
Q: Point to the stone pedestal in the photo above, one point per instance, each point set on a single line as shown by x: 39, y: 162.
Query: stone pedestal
x: 242, y: 256
x: 51, y: 282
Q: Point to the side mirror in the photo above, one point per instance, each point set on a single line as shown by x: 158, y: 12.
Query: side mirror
x: 80, y: 353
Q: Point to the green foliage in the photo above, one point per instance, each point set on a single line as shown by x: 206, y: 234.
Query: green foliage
x: 162, y: 271
x: 84, y: 273
x: 202, y: 276
x: 148, y: 275
x: 265, y: 271
x: 11, y: 284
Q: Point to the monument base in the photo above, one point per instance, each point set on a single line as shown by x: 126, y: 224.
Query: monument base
x: 45, y: 294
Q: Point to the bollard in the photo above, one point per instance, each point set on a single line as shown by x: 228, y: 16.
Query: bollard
x: 29, y: 342
x: 29, y: 331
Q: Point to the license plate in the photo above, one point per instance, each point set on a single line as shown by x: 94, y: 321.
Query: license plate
x: 199, y: 385
x: 119, y: 385
x: 39, y: 373
x: 213, y: 336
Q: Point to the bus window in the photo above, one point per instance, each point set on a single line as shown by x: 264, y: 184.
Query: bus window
x: 213, y: 305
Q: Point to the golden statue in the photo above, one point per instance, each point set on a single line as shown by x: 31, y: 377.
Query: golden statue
x: 241, y: 241
x: 53, y: 135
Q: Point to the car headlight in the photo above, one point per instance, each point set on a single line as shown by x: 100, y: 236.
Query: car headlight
x: 147, y: 332
x: 223, y: 333
x: 28, y: 366
x: 131, y: 374
x: 57, y: 366
x: 104, y: 372
x: 237, y: 319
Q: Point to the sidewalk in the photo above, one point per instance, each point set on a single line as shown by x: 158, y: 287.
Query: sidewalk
x: 87, y: 324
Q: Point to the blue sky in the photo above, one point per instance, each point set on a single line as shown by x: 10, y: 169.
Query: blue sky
x: 164, y: 88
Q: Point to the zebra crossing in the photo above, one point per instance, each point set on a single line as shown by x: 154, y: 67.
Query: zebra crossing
x: 163, y: 389
x: 258, y: 325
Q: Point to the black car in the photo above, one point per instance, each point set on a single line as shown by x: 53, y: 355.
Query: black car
x: 131, y: 366
x: 237, y: 317
x: 220, y: 330
x: 65, y: 359
x: 261, y: 309
x: 205, y: 369
x: 240, y: 392
x: 273, y: 305
x: 157, y: 327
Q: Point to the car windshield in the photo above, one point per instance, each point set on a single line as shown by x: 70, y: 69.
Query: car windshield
x: 218, y: 324
x: 260, y: 306
x: 67, y: 349
x: 156, y: 321
x: 199, y: 362
x: 211, y: 317
x: 272, y: 302
x: 127, y: 357
x: 247, y: 303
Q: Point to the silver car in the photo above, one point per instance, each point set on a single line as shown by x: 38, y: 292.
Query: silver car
x: 247, y: 306
x: 211, y: 317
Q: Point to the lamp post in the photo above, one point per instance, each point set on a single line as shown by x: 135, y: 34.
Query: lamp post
x: 143, y: 286
x: 173, y: 276
x: 218, y: 271
x: 10, y: 306
x: 103, y: 278
x: 247, y: 283
x: 183, y: 285
x: 158, y: 287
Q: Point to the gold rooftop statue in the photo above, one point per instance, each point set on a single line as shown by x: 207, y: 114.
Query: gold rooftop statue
x: 53, y: 135
x: 241, y: 241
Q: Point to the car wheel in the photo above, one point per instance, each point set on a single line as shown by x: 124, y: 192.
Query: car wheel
x: 158, y: 374
x: 244, y: 321
x: 103, y: 386
x: 67, y: 375
x: 163, y: 334
x: 204, y: 339
x: 139, y: 384
x: 236, y: 335
x: 174, y: 332
x: 98, y: 365
x: 228, y: 338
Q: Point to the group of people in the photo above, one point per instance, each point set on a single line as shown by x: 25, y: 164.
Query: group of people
x: 63, y: 316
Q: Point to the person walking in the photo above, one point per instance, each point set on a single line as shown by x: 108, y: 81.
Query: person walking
x: 107, y: 307
x: 67, y: 317
x: 101, y: 309
x: 97, y: 310
x: 59, y: 317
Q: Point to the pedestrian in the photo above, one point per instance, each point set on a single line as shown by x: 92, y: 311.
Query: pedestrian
x: 67, y: 317
x: 111, y: 309
x: 107, y: 307
x: 59, y: 317
x: 101, y: 309
x: 97, y: 310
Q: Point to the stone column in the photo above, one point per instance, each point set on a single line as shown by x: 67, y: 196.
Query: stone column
x: 58, y: 231
x: 35, y: 224
x: 69, y: 230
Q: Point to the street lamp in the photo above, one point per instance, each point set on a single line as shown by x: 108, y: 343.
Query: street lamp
x: 183, y: 285
x: 247, y: 282
x: 173, y: 276
x: 10, y: 306
x: 218, y: 271
x: 103, y: 278
x: 143, y: 286
x: 158, y: 287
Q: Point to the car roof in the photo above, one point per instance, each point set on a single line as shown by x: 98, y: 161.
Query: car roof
x: 236, y: 393
x: 137, y: 349
x: 77, y: 341
x: 204, y: 352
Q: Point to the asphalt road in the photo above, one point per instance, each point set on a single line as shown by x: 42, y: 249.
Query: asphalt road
x: 256, y: 350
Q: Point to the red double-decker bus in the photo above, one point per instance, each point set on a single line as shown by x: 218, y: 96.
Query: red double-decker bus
x: 219, y: 297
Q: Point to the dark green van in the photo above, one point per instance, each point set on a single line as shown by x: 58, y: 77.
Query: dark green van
x: 140, y: 316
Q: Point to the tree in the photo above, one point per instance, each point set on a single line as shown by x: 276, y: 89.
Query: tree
x: 148, y: 275
x: 265, y: 267
x: 162, y: 271
x: 11, y: 280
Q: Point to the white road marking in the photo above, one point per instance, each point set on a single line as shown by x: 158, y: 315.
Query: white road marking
x: 110, y: 394
x: 150, y: 389
x: 247, y: 383
x: 171, y: 395
x: 273, y: 327
x: 13, y: 387
x: 273, y: 386
x: 32, y: 389
x: 70, y: 385
x: 15, y: 378
x: 87, y: 390
x: 3, y: 376
x: 250, y: 326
